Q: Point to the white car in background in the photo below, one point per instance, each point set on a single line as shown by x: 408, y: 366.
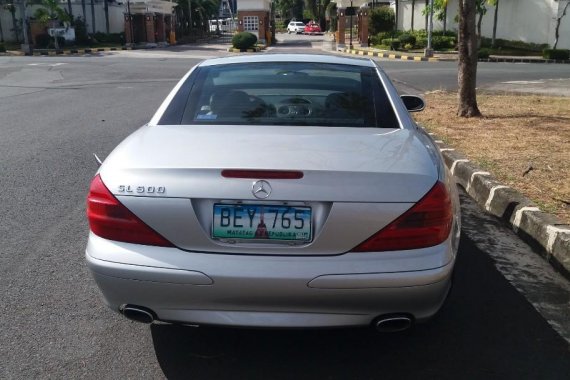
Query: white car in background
x: 296, y: 27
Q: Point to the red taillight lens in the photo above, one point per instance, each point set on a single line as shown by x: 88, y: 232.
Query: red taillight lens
x: 426, y: 224
x: 110, y: 219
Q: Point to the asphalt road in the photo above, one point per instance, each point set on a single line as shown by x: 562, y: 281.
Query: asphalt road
x: 56, y: 111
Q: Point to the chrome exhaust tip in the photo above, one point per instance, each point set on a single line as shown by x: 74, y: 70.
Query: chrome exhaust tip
x: 393, y: 323
x: 138, y: 313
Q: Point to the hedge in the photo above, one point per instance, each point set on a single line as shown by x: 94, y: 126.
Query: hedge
x: 558, y: 54
x: 244, y: 40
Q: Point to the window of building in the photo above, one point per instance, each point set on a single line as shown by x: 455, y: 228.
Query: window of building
x: 250, y: 23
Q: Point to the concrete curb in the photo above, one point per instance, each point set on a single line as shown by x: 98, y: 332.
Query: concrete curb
x: 76, y: 51
x: 544, y: 232
x: 256, y: 49
x: 404, y: 57
x: 371, y: 53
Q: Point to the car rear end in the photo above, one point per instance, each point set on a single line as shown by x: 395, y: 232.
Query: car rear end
x: 267, y: 221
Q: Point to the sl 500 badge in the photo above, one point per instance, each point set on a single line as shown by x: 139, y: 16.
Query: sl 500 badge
x: 142, y: 189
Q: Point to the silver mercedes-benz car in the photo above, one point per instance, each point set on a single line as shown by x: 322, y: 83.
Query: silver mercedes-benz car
x: 276, y: 191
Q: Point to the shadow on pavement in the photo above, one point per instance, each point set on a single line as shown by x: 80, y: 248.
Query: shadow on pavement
x: 487, y: 330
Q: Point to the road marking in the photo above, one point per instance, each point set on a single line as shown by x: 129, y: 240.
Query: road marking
x: 47, y: 64
x: 455, y: 164
x: 473, y: 176
x: 492, y: 195
x: 524, y: 82
x: 519, y: 214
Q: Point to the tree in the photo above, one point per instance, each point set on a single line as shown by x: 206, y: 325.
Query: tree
x: 382, y: 19
x: 467, y: 73
x: 559, y: 17
x: 331, y: 16
x: 49, y: 12
x: 106, y: 10
x: 481, y: 11
x: 93, y: 27
x: 413, y: 11
x: 83, y: 10
x: 196, y: 12
x: 495, y: 18
x: 290, y: 8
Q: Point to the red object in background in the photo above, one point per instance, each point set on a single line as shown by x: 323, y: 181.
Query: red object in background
x: 312, y: 28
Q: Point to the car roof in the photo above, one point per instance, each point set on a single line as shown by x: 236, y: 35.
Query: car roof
x: 308, y: 58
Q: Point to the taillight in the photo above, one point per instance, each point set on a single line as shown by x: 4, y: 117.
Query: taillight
x: 426, y: 224
x: 110, y: 219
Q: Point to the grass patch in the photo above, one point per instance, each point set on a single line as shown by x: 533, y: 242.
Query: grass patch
x: 524, y: 140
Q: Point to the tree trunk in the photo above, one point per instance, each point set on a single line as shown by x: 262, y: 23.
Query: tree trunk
x: 413, y: 11
x: 427, y: 13
x: 106, y: 9
x: 69, y: 10
x: 84, y: 14
x: 93, y: 29
x: 15, y: 24
x: 495, y: 18
x: 397, y: 15
x: 467, y: 73
x: 445, y: 19
x: 557, y: 29
x: 1, y: 31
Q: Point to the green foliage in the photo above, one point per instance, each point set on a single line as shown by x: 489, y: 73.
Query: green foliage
x: 443, y: 42
x: 558, y: 54
x: 51, y: 10
x: 81, y: 36
x: 115, y: 38
x: 407, y: 39
x: 394, y: 43
x: 513, y: 45
x: 280, y: 26
x: 483, y: 53
x: 2, y: 47
x: 307, y: 14
x: 382, y: 19
x: 244, y: 40
x: 290, y: 8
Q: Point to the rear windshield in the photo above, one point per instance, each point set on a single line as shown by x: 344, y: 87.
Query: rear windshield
x: 282, y: 93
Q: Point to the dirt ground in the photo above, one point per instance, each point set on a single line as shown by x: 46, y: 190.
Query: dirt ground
x: 523, y: 140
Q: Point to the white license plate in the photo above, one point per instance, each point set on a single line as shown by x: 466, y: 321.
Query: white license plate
x: 262, y: 222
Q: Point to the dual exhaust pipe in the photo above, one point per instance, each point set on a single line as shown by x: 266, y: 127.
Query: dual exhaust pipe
x: 383, y: 324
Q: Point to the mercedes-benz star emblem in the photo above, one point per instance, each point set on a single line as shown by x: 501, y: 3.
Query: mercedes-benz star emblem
x: 261, y: 189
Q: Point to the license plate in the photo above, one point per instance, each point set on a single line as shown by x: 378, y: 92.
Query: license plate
x: 262, y: 222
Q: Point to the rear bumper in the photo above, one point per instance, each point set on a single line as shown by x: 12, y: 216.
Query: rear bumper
x: 267, y: 291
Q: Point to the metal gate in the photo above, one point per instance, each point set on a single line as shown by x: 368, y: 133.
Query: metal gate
x: 224, y: 26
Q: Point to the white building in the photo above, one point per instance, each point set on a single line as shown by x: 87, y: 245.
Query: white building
x: 523, y: 20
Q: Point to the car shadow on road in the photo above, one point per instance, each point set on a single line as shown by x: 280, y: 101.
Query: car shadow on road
x: 485, y: 330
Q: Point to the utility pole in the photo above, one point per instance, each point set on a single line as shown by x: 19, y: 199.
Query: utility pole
x: 26, y: 48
